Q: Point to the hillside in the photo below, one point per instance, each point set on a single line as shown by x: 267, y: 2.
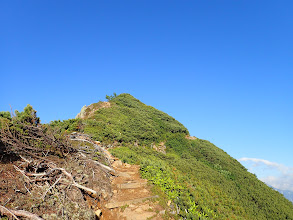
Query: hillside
x: 127, y: 121
x: 193, y: 178
x: 201, y: 180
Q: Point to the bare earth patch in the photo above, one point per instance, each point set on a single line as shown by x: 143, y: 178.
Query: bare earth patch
x: 132, y: 198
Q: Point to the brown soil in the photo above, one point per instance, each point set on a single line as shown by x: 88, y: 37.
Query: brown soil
x: 10, y: 179
x: 132, y: 198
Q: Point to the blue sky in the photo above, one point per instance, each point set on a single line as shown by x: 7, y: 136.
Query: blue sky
x: 222, y: 68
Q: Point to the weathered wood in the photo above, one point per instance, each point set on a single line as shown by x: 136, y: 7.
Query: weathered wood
x: 84, y: 140
x: 86, y: 189
x: 104, y: 166
x: 20, y: 213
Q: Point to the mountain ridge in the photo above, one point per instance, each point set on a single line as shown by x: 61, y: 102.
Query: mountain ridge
x: 193, y: 178
x: 252, y: 198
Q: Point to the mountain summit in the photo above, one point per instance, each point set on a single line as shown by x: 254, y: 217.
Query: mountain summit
x: 97, y: 160
x: 201, y: 180
x: 128, y: 120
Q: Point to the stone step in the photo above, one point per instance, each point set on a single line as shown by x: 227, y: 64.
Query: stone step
x: 112, y: 205
x: 123, y: 174
x: 131, y: 185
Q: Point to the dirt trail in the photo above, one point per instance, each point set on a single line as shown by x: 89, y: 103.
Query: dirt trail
x: 132, y: 198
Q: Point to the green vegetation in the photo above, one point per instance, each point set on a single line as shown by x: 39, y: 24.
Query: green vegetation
x: 206, y: 183
x: 5, y: 115
x: 69, y: 125
x: 27, y: 117
x: 5, y: 118
x: 24, y: 134
x: 109, y: 98
x: 201, y: 180
x: 129, y: 120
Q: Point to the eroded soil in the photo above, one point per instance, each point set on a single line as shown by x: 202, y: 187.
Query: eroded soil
x: 132, y: 198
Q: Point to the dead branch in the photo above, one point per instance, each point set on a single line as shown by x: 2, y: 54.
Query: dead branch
x: 34, y: 141
x: 103, y: 166
x: 42, y: 179
x: 70, y: 177
x: 43, y: 197
x: 100, y: 149
x: 26, y: 160
x: 89, y: 191
x: 20, y: 213
x: 27, y: 189
x: 42, y: 174
x: 6, y: 211
x: 22, y: 172
x: 84, y: 140
x: 86, y: 189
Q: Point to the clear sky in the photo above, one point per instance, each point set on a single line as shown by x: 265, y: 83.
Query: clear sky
x: 222, y: 68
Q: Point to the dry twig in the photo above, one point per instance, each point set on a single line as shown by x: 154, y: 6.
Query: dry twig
x: 20, y: 213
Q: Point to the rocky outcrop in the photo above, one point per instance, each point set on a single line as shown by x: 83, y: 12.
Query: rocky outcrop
x: 160, y: 148
x: 89, y: 111
x: 190, y: 137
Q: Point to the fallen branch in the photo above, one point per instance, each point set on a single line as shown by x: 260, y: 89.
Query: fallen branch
x: 42, y: 179
x: 22, y: 172
x: 27, y: 189
x: 20, y: 213
x: 6, y: 211
x: 51, y: 187
x: 26, y: 139
x: 84, y: 188
x: 42, y: 174
x: 84, y: 140
x: 68, y: 175
x: 26, y: 160
x: 104, y: 166
x: 88, y: 190
x: 102, y: 150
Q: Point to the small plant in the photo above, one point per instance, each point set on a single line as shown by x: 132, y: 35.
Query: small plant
x: 122, y: 208
x: 111, y: 97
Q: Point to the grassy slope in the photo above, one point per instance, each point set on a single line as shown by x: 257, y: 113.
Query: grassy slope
x: 201, y: 179
x: 220, y: 186
x: 129, y: 120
